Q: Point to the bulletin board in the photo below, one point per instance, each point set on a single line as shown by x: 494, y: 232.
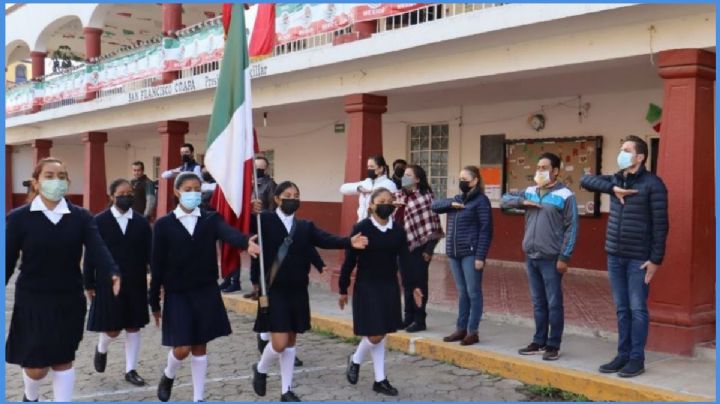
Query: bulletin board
x: 579, y: 156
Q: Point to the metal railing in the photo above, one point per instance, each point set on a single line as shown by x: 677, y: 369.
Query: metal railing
x: 422, y: 15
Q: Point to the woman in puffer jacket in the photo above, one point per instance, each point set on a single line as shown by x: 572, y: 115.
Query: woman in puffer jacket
x: 469, y: 233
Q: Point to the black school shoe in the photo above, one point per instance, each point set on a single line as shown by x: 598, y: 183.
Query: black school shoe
x: 259, y: 381
x: 633, y: 368
x: 298, y: 362
x: 384, y: 387
x: 165, y: 388
x: 613, y: 366
x: 353, y: 370
x: 289, y: 397
x: 416, y: 327
x: 133, y: 378
x: 25, y: 399
x: 100, y: 361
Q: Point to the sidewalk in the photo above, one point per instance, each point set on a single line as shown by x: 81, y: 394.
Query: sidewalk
x: 504, y: 331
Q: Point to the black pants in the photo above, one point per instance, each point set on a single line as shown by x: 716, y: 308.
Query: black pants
x: 234, y: 276
x: 420, y: 272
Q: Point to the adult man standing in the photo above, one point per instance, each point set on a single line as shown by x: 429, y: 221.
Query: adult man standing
x: 266, y: 201
x: 635, y: 243
x: 144, y: 199
x: 551, y: 225
x: 187, y: 153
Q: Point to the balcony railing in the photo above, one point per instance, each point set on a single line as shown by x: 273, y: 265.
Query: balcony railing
x: 196, y: 51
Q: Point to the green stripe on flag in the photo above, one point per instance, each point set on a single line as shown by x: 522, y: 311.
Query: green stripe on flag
x: 653, y: 114
x: 230, y: 92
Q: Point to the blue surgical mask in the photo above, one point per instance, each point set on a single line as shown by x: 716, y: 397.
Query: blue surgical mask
x: 190, y: 200
x: 54, y: 189
x: 624, y: 159
x: 407, y: 182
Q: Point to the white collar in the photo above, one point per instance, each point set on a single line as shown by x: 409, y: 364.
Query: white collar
x: 180, y: 213
x: 282, y: 215
x: 38, y: 205
x: 119, y: 214
x: 381, y: 227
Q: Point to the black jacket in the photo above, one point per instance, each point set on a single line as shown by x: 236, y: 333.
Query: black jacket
x: 638, y: 229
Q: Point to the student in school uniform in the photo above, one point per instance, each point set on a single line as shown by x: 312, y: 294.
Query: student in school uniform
x: 128, y: 235
x: 287, y: 280
x: 377, y: 177
x: 184, y: 264
x: 49, y: 313
x: 376, y: 294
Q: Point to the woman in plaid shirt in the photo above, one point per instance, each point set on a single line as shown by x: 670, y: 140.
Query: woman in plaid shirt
x: 424, y: 231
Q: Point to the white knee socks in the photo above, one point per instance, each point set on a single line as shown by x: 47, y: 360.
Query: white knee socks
x: 132, y: 347
x: 199, y: 371
x: 104, y: 342
x: 287, y: 366
x: 32, y: 387
x: 362, y: 350
x: 265, y: 336
x: 378, y: 357
x: 172, y: 365
x: 268, y: 356
x: 63, y: 383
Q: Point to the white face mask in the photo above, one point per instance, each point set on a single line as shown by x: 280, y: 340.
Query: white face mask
x: 542, y: 178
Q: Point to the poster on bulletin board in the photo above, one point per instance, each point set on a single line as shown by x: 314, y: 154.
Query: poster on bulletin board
x: 578, y: 155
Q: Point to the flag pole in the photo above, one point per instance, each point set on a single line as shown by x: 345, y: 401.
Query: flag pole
x: 262, y: 299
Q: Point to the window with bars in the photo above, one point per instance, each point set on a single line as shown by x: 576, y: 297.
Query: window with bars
x: 429, y: 150
x: 156, y: 167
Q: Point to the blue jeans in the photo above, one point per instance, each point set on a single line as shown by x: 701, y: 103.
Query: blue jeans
x: 547, y: 299
x: 630, y: 293
x: 468, y: 282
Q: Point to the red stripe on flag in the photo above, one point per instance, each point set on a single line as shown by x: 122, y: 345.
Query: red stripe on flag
x: 226, y: 14
x: 230, y: 257
x: 263, y: 34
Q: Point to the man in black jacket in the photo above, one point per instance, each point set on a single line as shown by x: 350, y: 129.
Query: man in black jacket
x: 635, y: 244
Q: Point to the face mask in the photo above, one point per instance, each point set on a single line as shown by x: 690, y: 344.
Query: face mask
x: 371, y: 174
x: 260, y: 172
x: 186, y: 158
x: 289, y: 206
x: 464, y: 186
x: 542, y: 178
x: 53, y: 190
x: 190, y: 200
x: 624, y: 160
x: 124, y: 202
x: 384, y: 210
x: 399, y: 172
x: 407, y: 182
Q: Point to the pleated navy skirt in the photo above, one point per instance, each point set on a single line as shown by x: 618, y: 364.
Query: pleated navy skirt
x: 376, y: 307
x: 129, y: 309
x: 289, y: 310
x: 194, y: 317
x: 46, y: 328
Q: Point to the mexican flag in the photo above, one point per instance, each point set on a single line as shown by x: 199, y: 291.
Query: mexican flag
x: 230, y: 142
x: 653, y: 116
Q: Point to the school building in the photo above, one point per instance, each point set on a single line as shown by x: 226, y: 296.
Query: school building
x: 441, y: 85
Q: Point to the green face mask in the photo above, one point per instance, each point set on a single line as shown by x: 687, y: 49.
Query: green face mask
x: 54, y: 189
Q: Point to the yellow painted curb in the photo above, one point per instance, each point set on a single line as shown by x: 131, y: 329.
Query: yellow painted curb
x: 593, y: 386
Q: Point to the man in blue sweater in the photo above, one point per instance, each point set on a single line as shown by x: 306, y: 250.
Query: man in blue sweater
x: 551, y: 226
x: 635, y: 243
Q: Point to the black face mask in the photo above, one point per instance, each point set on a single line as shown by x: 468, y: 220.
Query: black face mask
x: 399, y: 172
x: 124, y: 202
x: 384, y: 210
x: 260, y: 172
x: 371, y: 174
x: 465, y: 186
x: 186, y: 158
x: 289, y: 206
